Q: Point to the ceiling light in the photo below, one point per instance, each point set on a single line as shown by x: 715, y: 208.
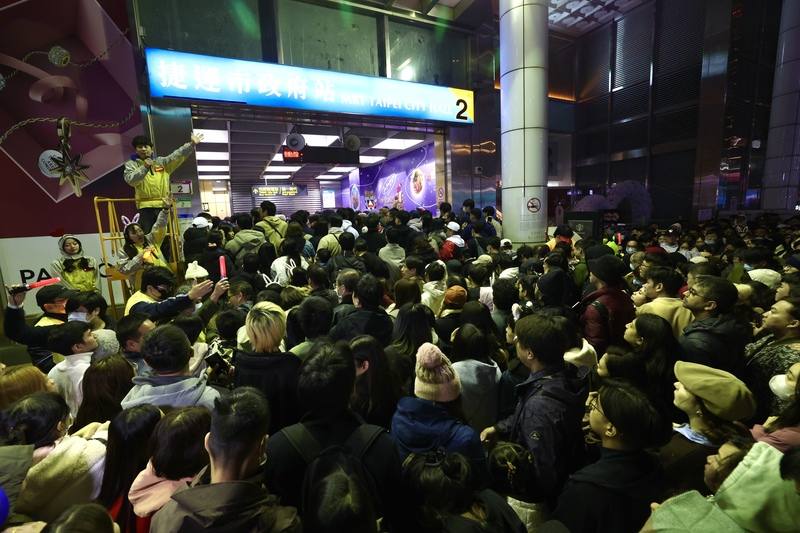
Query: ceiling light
x: 370, y: 158
x: 329, y: 177
x: 212, y: 156
x: 396, y: 144
x: 213, y: 177
x: 287, y: 168
x: 277, y: 177
x: 320, y: 140
x: 213, y: 136
x: 278, y: 157
x: 213, y: 168
x: 342, y: 169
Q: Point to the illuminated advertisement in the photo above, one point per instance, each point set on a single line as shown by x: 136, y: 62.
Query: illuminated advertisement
x: 407, y: 182
x: 184, y: 75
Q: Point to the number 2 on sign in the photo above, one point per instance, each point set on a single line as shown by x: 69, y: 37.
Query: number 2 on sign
x: 462, y: 113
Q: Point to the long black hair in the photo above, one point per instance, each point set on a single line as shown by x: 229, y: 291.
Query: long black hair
x: 126, y: 456
x: 34, y: 420
x: 375, y: 394
x: 412, y: 328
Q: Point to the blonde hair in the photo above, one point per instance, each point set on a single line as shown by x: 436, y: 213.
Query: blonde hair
x: 19, y: 381
x: 265, y: 326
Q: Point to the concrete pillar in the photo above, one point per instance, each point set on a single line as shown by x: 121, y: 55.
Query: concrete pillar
x: 523, y: 118
x: 782, y: 168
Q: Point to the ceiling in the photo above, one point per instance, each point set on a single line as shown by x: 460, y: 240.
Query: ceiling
x: 246, y: 148
x: 572, y: 17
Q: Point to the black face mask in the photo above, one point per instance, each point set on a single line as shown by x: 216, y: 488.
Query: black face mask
x: 165, y: 292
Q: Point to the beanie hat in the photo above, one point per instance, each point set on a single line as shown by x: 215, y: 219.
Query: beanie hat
x: 551, y: 287
x: 436, y: 380
x: 608, y: 269
x: 195, y: 271
x: 107, y: 344
x: 455, y: 296
x: 722, y: 393
x: 598, y: 250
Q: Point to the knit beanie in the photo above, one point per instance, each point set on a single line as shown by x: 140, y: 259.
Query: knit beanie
x: 455, y: 297
x: 107, y: 344
x: 436, y: 380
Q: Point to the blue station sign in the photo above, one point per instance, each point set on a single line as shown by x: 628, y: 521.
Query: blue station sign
x: 193, y: 76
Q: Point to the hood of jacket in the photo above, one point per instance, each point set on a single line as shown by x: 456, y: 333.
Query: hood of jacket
x: 177, y: 391
x: 149, y: 492
x: 483, y: 375
x: 249, y: 237
x: 415, y: 224
x: 336, y: 230
x: 435, y: 288
x: 65, y: 255
x: 586, y: 355
x: 637, y: 474
x: 421, y: 425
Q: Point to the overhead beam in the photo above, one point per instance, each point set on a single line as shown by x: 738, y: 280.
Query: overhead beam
x: 428, y: 5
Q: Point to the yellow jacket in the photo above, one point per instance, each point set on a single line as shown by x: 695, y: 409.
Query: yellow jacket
x: 135, y: 298
x: 152, y: 187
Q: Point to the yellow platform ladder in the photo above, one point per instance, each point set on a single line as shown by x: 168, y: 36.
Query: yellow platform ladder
x: 112, y: 241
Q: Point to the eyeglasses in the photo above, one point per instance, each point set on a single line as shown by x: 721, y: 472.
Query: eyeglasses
x: 594, y: 403
x: 694, y: 293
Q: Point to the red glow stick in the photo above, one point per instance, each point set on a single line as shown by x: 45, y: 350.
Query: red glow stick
x: 223, y: 273
x: 43, y: 283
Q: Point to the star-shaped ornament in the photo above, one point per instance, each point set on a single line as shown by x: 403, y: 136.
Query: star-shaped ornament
x: 71, y: 171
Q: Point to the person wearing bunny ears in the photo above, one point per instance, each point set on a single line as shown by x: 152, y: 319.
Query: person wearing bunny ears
x: 141, y: 251
x: 149, y: 176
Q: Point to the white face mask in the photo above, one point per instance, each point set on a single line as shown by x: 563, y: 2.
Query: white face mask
x: 77, y: 316
x: 780, y: 387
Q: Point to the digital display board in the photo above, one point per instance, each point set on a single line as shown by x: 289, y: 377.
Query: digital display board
x: 185, y: 75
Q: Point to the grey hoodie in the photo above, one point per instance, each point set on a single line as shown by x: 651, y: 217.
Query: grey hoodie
x: 174, y: 391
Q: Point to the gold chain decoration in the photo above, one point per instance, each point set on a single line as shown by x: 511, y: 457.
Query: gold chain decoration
x: 67, y: 165
x: 61, y: 57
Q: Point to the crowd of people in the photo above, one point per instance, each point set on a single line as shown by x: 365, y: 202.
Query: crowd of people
x: 405, y: 372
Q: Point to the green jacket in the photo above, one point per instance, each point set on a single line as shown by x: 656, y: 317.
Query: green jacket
x: 753, y: 498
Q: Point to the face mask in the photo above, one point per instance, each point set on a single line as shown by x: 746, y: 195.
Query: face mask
x: 780, y: 387
x: 630, y: 251
x: 748, y: 268
x: 632, y: 266
x: 78, y: 316
x: 710, y: 242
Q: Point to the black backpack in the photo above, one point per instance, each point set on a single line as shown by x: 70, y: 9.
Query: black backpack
x: 349, y: 455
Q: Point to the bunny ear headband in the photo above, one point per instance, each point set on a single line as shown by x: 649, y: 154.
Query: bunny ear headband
x: 128, y: 221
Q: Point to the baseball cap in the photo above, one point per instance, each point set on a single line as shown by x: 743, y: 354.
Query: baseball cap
x: 453, y: 226
x: 201, y: 222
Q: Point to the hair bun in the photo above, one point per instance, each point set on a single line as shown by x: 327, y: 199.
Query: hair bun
x: 429, y: 356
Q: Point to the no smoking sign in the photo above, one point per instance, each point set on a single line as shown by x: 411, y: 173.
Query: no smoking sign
x: 534, y: 205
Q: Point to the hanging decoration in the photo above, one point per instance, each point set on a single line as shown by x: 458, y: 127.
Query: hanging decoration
x: 67, y: 165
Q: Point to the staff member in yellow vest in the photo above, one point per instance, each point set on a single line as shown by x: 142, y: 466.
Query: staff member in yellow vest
x: 149, y: 176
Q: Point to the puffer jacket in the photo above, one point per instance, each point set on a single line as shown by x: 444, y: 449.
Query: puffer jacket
x: 172, y: 391
x: 717, y: 342
x: 421, y: 425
